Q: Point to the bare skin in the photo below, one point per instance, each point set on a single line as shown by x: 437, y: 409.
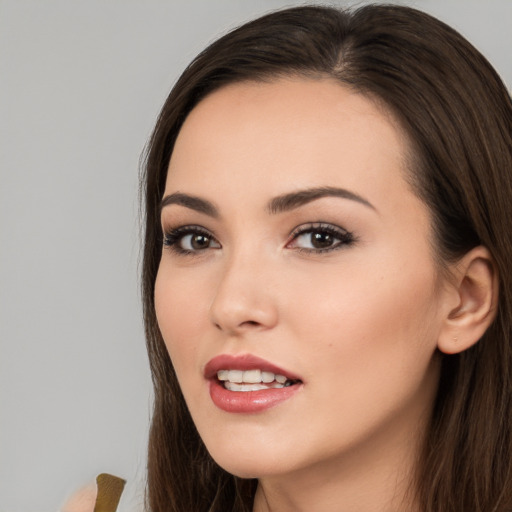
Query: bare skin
x: 360, y: 317
x: 82, y: 501
x: 291, y: 234
x: 348, y: 320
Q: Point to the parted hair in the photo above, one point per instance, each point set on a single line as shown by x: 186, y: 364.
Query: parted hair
x: 457, y: 115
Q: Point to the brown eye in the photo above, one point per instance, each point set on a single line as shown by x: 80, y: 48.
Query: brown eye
x: 189, y: 240
x: 316, y: 239
x: 320, y: 238
x: 197, y: 242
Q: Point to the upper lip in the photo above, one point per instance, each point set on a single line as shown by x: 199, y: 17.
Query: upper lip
x: 244, y: 362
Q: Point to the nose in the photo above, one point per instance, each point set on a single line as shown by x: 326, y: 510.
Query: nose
x: 245, y: 299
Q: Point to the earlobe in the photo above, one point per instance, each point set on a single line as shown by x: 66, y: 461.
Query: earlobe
x: 476, y: 288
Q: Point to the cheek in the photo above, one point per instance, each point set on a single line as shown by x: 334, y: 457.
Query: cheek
x: 369, y: 327
x: 367, y: 345
x: 181, y: 311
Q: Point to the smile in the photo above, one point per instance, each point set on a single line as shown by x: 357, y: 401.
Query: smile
x: 252, y: 380
x: 248, y: 384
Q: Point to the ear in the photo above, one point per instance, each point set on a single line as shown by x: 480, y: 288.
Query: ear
x: 474, y: 291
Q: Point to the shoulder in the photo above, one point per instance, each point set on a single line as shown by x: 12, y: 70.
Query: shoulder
x: 83, y: 500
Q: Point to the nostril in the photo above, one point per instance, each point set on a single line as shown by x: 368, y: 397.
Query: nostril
x: 250, y: 323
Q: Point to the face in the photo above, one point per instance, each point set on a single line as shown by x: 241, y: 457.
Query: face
x: 294, y: 247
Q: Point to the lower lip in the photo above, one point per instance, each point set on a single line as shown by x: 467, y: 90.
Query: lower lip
x: 249, y: 401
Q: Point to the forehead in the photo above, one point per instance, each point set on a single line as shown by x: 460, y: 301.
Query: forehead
x: 288, y: 133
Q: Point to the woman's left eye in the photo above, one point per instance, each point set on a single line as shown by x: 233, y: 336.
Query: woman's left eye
x: 320, y: 238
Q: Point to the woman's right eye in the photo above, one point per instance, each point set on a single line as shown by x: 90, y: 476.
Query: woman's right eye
x: 190, y: 240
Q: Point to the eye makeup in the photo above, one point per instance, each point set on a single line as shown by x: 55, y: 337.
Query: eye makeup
x: 317, y: 237
x: 189, y: 239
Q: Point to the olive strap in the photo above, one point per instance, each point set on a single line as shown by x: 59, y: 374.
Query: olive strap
x: 110, y: 488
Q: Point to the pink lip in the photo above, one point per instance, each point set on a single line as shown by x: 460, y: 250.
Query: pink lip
x: 246, y: 401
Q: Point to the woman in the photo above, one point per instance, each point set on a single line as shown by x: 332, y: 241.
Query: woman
x: 326, y: 271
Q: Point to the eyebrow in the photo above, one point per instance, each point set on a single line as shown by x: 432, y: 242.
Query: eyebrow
x: 279, y: 204
x: 192, y: 202
x: 294, y: 200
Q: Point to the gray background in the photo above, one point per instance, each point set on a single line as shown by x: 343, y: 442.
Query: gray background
x: 81, y: 83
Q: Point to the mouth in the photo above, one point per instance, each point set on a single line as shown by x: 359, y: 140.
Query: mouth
x: 253, y: 380
x: 246, y: 384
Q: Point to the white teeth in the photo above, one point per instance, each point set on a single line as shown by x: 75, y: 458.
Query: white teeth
x: 252, y: 376
x: 223, y: 374
x: 232, y: 386
x: 235, y: 376
x: 239, y: 377
x: 267, y: 377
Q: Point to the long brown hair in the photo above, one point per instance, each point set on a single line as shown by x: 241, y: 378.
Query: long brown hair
x: 458, y: 118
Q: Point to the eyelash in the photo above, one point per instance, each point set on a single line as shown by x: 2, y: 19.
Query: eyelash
x: 343, y: 236
x: 174, y: 237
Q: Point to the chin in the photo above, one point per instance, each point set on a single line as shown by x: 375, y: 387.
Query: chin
x: 250, y: 460
x: 248, y: 468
